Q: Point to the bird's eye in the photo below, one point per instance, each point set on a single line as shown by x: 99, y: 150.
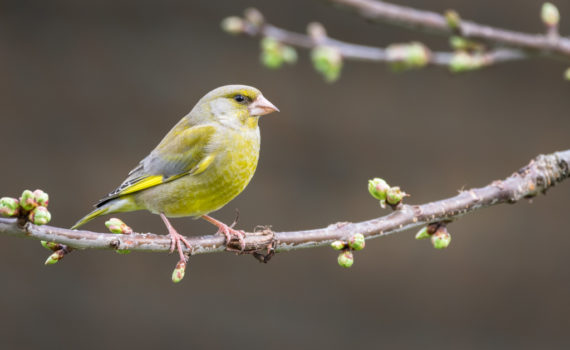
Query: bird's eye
x: 240, y: 98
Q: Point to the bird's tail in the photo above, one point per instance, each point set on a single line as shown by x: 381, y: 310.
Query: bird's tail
x: 121, y: 204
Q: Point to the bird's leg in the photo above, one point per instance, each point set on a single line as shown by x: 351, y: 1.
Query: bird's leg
x: 175, y: 239
x: 227, y: 231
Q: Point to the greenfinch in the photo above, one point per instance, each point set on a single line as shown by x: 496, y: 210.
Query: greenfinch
x: 204, y: 162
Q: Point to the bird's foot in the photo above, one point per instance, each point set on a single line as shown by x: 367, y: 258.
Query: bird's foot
x: 227, y: 231
x: 176, y: 240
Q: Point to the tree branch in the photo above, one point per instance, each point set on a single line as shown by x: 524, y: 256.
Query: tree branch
x: 539, y: 175
x: 368, y: 53
x: 436, y: 23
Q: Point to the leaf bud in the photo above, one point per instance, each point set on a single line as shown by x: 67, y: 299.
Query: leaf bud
x: 27, y: 200
x: 338, y: 245
x: 9, y: 206
x: 378, y: 188
x: 40, y: 216
x: 178, y: 273
x: 549, y: 14
x: 423, y: 233
x: 357, y: 241
x: 346, y: 259
x: 441, y: 238
x: 232, y: 25
x: 395, y: 195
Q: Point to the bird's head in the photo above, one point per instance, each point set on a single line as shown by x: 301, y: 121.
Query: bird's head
x: 235, y: 106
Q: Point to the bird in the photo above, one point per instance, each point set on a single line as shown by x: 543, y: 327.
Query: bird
x: 202, y: 163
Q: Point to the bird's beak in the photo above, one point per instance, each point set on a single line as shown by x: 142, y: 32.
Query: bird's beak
x: 261, y: 106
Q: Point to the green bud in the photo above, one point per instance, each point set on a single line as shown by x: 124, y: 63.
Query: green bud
x: 395, y: 195
x: 327, y: 60
x: 458, y: 42
x: 316, y: 31
x: 27, y: 200
x: 41, y: 198
x: 178, y: 273
x: 271, y: 53
x: 567, y: 74
x: 118, y: 226
x: 253, y: 16
x: 357, y: 241
x: 378, y: 188
x: 407, y: 56
x: 232, y: 25
x: 271, y: 60
x: 462, y: 61
x: 549, y: 14
x: 418, y: 55
x: 274, y: 53
x: 461, y: 43
x: 423, y: 233
x: 40, y: 216
x: 51, y: 245
x: 453, y: 19
x: 346, y: 259
x: 289, y: 54
x: 338, y: 245
x: 270, y: 44
x: 9, y: 206
x: 441, y: 239
x: 55, y: 257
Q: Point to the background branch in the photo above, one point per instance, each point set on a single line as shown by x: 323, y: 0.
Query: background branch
x: 367, y: 53
x: 436, y: 23
x: 474, y: 45
x: 539, y: 175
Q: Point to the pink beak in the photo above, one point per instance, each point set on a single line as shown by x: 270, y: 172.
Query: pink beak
x: 261, y: 106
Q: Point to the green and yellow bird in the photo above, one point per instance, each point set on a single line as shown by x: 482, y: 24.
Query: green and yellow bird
x: 204, y: 162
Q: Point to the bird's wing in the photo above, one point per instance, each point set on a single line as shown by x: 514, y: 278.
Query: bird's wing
x: 181, y: 152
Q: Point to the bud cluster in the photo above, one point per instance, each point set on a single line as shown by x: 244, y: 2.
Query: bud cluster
x: 437, y: 233
x: 274, y: 53
x: 354, y: 243
x: 380, y: 190
x: 30, y: 205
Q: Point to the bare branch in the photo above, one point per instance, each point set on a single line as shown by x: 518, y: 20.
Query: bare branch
x: 539, y: 175
x: 436, y: 23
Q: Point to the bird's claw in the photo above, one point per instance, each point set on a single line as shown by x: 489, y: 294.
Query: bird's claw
x: 230, y: 233
x: 176, y: 240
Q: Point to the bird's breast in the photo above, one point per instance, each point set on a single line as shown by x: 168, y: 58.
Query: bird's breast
x: 235, y: 153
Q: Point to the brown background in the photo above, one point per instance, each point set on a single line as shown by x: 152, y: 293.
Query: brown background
x: 89, y: 88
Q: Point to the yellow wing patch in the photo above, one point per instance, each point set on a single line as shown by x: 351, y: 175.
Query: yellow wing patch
x: 143, y: 184
x: 155, y: 180
x: 203, y: 165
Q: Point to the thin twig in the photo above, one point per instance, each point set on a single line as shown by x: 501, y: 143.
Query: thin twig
x: 434, y: 22
x: 368, y: 53
x: 540, y: 174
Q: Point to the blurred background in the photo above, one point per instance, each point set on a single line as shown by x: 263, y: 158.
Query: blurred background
x: 88, y: 88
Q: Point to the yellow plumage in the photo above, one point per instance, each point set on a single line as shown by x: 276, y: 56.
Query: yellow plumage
x: 204, y: 162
